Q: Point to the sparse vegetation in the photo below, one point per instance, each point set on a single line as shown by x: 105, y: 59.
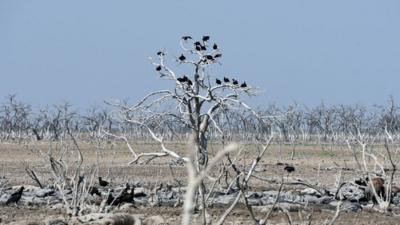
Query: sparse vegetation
x: 198, y: 154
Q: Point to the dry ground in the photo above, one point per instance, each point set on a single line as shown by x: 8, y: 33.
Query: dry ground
x: 313, y: 163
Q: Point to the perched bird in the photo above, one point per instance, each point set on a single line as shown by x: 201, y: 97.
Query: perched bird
x: 16, y: 196
x: 218, y: 81
x: 203, y: 47
x: 205, y: 38
x: 217, y: 55
x: 183, y: 79
x: 190, y: 83
x: 160, y: 53
x: 197, y: 46
x: 209, y: 57
x: 235, y: 82
x: 289, y: 168
x: 102, y: 182
x: 243, y: 85
x: 215, y: 46
x: 182, y: 58
x: 226, y: 80
x: 158, y: 68
x: 125, y: 196
x: 186, y: 38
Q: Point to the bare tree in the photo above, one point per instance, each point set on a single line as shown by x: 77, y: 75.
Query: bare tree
x: 194, y: 101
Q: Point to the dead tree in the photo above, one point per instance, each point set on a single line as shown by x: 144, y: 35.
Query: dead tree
x: 194, y: 100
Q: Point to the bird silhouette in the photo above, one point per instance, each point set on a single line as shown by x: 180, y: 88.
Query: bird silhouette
x: 243, y: 85
x: 226, y: 80
x: 158, y: 68
x: 235, y: 82
x: 205, y: 38
x: 203, y: 47
x: 183, y: 79
x: 215, y: 46
x: 125, y: 196
x: 102, y: 182
x: 218, y: 81
x: 189, y: 82
x: 209, y: 57
x: 160, y: 53
x: 16, y: 196
x: 289, y: 168
x: 182, y: 58
x: 186, y: 38
x: 217, y: 55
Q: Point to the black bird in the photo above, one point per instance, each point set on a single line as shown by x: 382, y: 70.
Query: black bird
x: 243, y: 85
x: 190, y: 83
x: 125, y: 196
x: 186, y: 38
x: 206, y: 38
x: 217, y: 55
x: 102, y: 182
x: 289, y: 168
x: 209, y: 57
x: 226, y: 80
x: 215, y: 46
x: 182, y: 58
x: 94, y: 191
x: 160, y: 53
x: 203, y: 47
x: 16, y: 196
x: 158, y: 68
x: 235, y: 82
x: 183, y: 79
x: 197, y: 46
x: 218, y: 81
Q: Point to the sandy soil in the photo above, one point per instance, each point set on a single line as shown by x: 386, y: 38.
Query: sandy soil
x: 315, y: 164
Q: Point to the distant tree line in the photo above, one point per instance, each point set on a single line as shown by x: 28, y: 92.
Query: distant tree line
x: 293, y: 123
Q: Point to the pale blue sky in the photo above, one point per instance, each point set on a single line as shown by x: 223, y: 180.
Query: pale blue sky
x: 86, y: 51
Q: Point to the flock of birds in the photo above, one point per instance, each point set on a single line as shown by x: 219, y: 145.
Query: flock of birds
x: 127, y: 194
x: 201, y: 46
x: 185, y: 79
x: 234, y: 82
